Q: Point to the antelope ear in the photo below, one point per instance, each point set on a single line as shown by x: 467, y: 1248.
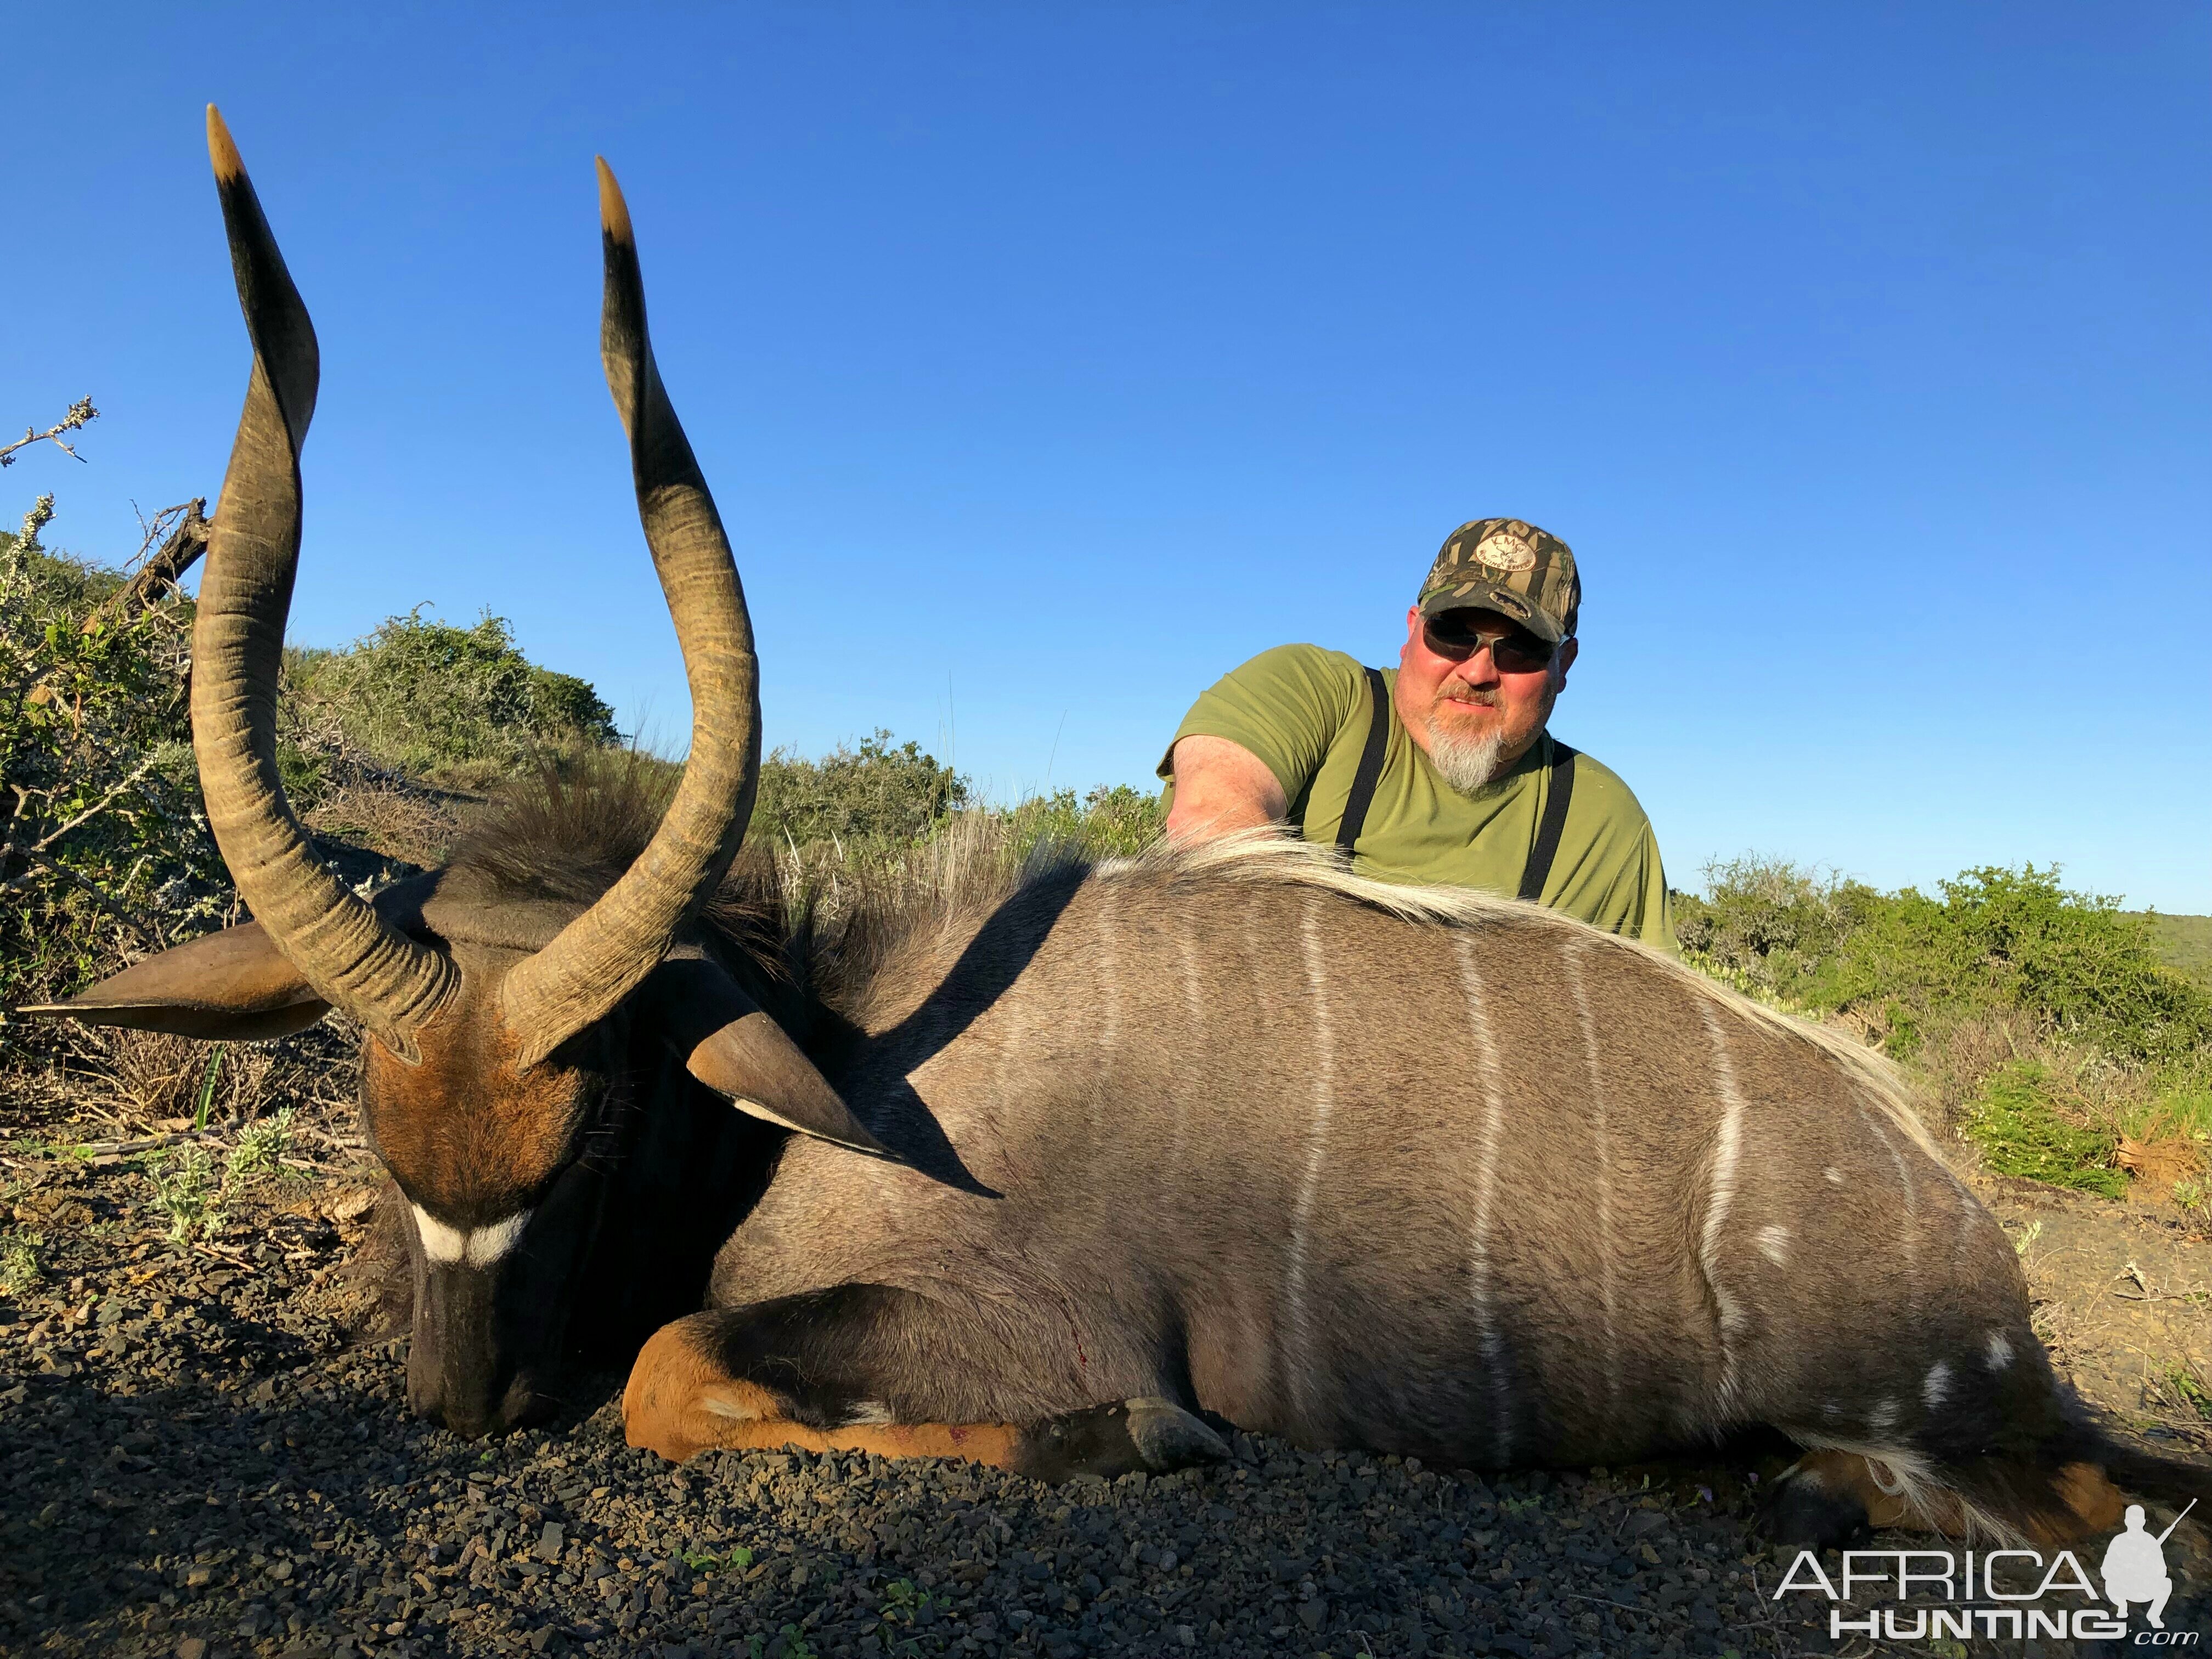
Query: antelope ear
x: 731, y: 1045
x: 231, y: 987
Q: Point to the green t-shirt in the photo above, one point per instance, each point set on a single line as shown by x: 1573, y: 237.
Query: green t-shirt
x: 1305, y: 713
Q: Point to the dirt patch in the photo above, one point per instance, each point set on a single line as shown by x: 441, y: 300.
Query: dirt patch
x: 2123, y: 1300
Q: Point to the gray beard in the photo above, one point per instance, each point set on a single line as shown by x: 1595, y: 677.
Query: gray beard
x: 1466, y: 762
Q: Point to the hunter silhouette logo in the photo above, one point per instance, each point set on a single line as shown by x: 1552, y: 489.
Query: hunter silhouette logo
x: 2135, y: 1567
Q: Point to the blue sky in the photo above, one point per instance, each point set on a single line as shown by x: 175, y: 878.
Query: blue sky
x: 1046, y: 362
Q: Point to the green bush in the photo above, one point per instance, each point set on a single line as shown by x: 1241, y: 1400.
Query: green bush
x: 2021, y: 1132
x: 1106, y: 823
x: 875, y: 797
x: 453, y: 705
x: 1995, y: 940
x: 102, y: 839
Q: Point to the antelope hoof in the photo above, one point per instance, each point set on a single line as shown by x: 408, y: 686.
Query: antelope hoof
x: 1151, y: 1435
x: 1803, y: 1511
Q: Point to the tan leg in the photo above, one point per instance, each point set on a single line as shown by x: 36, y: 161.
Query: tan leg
x: 680, y: 1402
x: 2096, y: 1504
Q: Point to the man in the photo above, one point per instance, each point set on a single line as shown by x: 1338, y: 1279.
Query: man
x: 1442, y: 773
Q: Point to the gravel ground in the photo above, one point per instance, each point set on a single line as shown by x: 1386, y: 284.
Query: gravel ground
x: 196, y: 1460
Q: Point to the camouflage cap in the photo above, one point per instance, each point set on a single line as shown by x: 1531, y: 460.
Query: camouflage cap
x: 1509, y: 566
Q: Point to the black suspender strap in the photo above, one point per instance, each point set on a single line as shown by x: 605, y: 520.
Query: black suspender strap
x: 1370, y: 765
x: 1555, y: 820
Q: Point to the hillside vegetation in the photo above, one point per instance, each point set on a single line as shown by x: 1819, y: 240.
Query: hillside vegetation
x: 2047, y: 1024
x: 2184, y: 942
x: 2054, y: 1030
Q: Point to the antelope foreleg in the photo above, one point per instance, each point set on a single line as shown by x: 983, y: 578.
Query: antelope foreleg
x: 787, y: 1374
x: 681, y: 1401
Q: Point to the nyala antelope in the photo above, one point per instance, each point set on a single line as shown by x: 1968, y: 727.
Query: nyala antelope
x: 1050, y: 1169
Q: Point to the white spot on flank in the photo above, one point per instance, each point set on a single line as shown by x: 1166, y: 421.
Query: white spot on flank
x: 874, y: 1413
x: 1883, y: 1416
x: 476, y: 1247
x: 1601, y: 1184
x: 1999, y: 1350
x: 1486, y: 1187
x: 1298, y: 1361
x: 1937, y: 1385
x: 1835, y: 1176
x: 1728, y: 1150
x: 1774, y: 1245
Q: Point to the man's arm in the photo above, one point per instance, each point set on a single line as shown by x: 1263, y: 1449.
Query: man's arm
x: 1221, y: 786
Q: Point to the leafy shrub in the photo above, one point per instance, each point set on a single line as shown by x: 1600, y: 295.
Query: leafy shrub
x: 102, y: 839
x: 874, y: 797
x: 1107, y: 823
x: 187, y: 1190
x: 455, y: 705
x: 1994, y: 939
x: 19, y: 1262
x: 2022, y: 1131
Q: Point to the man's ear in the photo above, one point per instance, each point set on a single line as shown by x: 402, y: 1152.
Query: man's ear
x: 231, y: 987
x: 731, y: 1045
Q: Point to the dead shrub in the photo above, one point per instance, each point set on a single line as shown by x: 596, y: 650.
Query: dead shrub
x: 155, y: 1081
x: 413, y: 826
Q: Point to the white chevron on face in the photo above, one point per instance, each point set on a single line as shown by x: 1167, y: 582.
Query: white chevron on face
x: 474, y: 1247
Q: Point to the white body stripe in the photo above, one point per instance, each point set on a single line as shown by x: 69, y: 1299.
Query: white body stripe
x: 1194, y: 998
x: 476, y: 1247
x: 1485, y: 1191
x: 1727, y: 1151
x: 1109, y: 973
x: 1299, y: 1359
x: 1604, y: 1181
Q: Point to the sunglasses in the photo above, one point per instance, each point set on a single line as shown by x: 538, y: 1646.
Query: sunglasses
x: 1459, y: 635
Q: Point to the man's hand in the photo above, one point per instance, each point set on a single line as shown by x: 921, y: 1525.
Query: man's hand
x: 1221, y: 786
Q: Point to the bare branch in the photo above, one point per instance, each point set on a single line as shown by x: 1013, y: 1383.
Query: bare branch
x: 160, y: 573
x: 80, y: 412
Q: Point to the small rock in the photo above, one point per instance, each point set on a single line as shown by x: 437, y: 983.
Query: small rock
x: 550, y: 1541
x: 193, y: 1647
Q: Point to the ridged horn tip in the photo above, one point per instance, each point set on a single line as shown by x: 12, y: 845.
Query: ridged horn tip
x: 228, y: 167
x: 614, y: 212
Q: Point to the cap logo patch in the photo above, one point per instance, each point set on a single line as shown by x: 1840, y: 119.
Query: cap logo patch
x: 1506, y: 551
